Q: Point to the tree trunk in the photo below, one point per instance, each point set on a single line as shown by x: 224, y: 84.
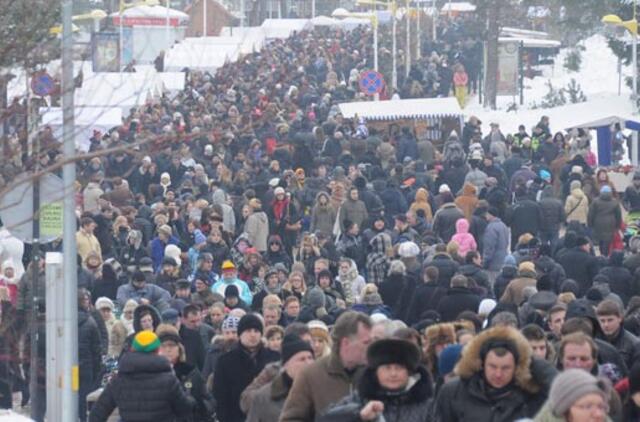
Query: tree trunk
x: 493, y: 31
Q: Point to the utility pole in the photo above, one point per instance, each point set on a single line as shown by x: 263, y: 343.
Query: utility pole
x: 394, y: 70
x: 407, y: 67
x: 70, y: 372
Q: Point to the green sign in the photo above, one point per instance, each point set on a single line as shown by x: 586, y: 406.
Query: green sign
x: 51, y: 219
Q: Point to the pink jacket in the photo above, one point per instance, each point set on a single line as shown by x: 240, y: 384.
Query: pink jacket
x: 463, y: 238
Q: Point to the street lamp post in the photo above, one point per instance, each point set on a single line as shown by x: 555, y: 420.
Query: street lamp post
x: 394, y: 65
x: 408, y: 46
x: 632, y: 27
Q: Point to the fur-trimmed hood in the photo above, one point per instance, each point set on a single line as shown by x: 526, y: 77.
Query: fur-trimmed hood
x: 471, y: 363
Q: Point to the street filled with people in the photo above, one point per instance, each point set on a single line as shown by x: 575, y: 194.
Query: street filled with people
x: 246, y: 253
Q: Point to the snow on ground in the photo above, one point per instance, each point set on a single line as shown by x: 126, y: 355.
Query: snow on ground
x: 598, y: 78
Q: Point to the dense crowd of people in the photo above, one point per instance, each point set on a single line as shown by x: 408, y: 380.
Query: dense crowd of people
x: 246, y: 253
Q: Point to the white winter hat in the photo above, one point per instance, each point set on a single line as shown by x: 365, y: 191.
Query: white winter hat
x: 104, y: 302
x: 444, y: 188
x: 486, y: 306
x: 172, y: 251
x: 408, y: 250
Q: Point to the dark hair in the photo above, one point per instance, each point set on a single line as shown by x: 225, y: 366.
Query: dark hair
x: 470, y: 256
x: 190, y: 309
x: 297, y: 328
x: 575, y: 325
x: 533, y: 332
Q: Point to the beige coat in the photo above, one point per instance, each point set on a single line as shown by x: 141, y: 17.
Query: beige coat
x: 576, y: 207
x: 316, y: 388
x: 87, y: 243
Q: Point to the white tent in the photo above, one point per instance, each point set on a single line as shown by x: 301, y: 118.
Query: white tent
x: 462, y: 6
x: 533, y: 42
x: 284, y: 28
x: 324, y: 21
x: 145, y: 15
x: 352, y: 23
x: 200, y: 56
x: 87, y: 119
x: 124, y: 90
x: 591, y: 113
x: 402, y: 109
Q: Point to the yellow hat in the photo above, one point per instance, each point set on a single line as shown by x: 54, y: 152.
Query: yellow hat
x: 228, y: 265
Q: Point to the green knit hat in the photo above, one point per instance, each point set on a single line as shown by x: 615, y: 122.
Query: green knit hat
x: 145, y: 342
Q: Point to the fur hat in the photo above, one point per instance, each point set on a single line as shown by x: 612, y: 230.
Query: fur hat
x: 444, y: 333
x: 391, y: 350
x: 408, y: 250
x: 104, y: 302
x: 248, y: 322
x: 476, y: 350
x: 167, y: 332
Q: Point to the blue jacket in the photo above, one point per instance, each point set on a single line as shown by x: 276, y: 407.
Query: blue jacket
x: 157, y: 251
x: 496, y: 245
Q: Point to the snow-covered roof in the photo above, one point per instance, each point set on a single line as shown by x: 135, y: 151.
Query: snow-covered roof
x: 124, y: 90
x: 324, y: 21
x: 462, y: 6
x: 145, y: 15
x: 533, y: 42
x: 589, y: 114
x: 86, y: 120
x: 509, y: 31
x: 283, y: 28
x: 402, y: 109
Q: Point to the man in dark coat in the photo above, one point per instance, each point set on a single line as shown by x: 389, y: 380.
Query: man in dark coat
x: 579, y: 264
x: 89, y: 358
x: 145, y: 388
x: 621, y: 280
x: 552, y: 215
x: 610, y: 316
x: 426, y: 297
x: 237, y: 368
x: 524, y: 216
x: 446, y: 266
x: 458, y: 299
x: 485, y: 393
x: 444, y: 221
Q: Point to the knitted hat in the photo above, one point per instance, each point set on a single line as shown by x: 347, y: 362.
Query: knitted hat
x: 291, y: 345
x: 167, y: 260
x: 230, y: 323
x: 605, y: 189
x: 571, y: 385
x: 231, y: 291
x: 575, y: 184
x: 170, y: 316
x: 486, y: 306
x: 104, y: 302
x: 392, y: 350
x: 444, y: 188
x: 316, y: 298
x: 278, y: 191
x: 145, y: 342
x: 448, y: 359
x: 582, y: 240
x: 576, y: 169
x: 248, y: 322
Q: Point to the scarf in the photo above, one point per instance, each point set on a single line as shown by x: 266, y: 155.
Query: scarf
x: 279, y: 209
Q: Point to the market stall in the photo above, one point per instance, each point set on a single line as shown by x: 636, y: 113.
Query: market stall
x: 431, y: 118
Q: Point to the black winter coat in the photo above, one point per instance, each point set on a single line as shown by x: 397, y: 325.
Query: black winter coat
x: 627, y: 345
x: 446, y: 266
x: 620, y: 281
x: 507, y: 273
x: 523, y: 217
x: 412, y: 405
x: 193, y: 383
x: 552, y: 214
x: 193, y: 346
x: 89, y: 351
x: 457, y: 300
x: 466, y: 401
x: 426, y: 298
x: 234, y: 372
x: 391, y: 290
x: 580, y: 266
x: 145, y: 389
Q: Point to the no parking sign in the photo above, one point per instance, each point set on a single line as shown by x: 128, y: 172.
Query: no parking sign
x: 371, y: 82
